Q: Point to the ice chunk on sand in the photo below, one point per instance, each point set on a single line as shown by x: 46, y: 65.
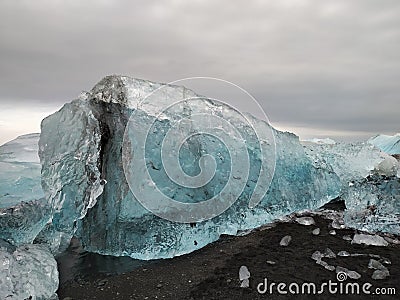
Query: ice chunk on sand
x: 349, y: 273
x: 305, y: 221
x: 244, y: 275
x: 285, y: 241
x: 316, y: 231
x: 367, y: 239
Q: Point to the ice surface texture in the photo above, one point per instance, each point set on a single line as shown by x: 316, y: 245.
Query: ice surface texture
x: 27, y: 272
x: 81, y: 152
x: 69, y: 150
x: 370, y: 183
x: 373, y: 204
x: 387, y: 143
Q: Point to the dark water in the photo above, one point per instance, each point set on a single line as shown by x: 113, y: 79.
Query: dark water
x: 79, y: 265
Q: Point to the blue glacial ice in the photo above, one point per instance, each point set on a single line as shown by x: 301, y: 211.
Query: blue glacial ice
x: 83, y: 156
x: 370, y: 183
x: 83, y: 176
x: 373, y: 204
x: 387, y: 143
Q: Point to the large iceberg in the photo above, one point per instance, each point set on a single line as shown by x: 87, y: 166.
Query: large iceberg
x: 114, y: 182
x: 83, y: 152
x: 387, y: 143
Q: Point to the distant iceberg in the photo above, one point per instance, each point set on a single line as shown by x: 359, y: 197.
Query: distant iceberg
x: 387, y: 143
x: 326, y: 141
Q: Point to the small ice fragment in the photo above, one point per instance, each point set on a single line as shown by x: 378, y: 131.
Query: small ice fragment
x: 347, y: 238
x: 380, y: 274
x: 285, y: 240
x: 271, y: 262
x: 350, y: 274
x: 374, y: 264
x: 316, y: 231
x: 329, y: 253
x: 332, y: 232
x: 374, y: 240
x: 305, y: 221
x: 343, y: 253
x: 244, y: 275
x: 353, y: 274
x: 316, y: 256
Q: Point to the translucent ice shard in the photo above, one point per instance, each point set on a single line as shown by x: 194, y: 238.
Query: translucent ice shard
x: 27, y: 272
x: 307, y: 221
x: 343, y: 253
x: 316, y: 231
x: 387, y: 143
x: 380, y: 274
x: 349, y: 273
x: 374, y: 264
x: 23, y: 208
x: 285, y: 241
x: 367, y: 239
x: 244, y: 275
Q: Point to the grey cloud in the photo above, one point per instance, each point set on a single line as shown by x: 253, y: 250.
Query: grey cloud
x: 322, y: 64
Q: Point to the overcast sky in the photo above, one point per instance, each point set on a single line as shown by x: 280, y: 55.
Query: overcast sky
x: 318, y: 68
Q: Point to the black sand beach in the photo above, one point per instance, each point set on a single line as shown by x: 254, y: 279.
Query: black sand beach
x: 212, y: 272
